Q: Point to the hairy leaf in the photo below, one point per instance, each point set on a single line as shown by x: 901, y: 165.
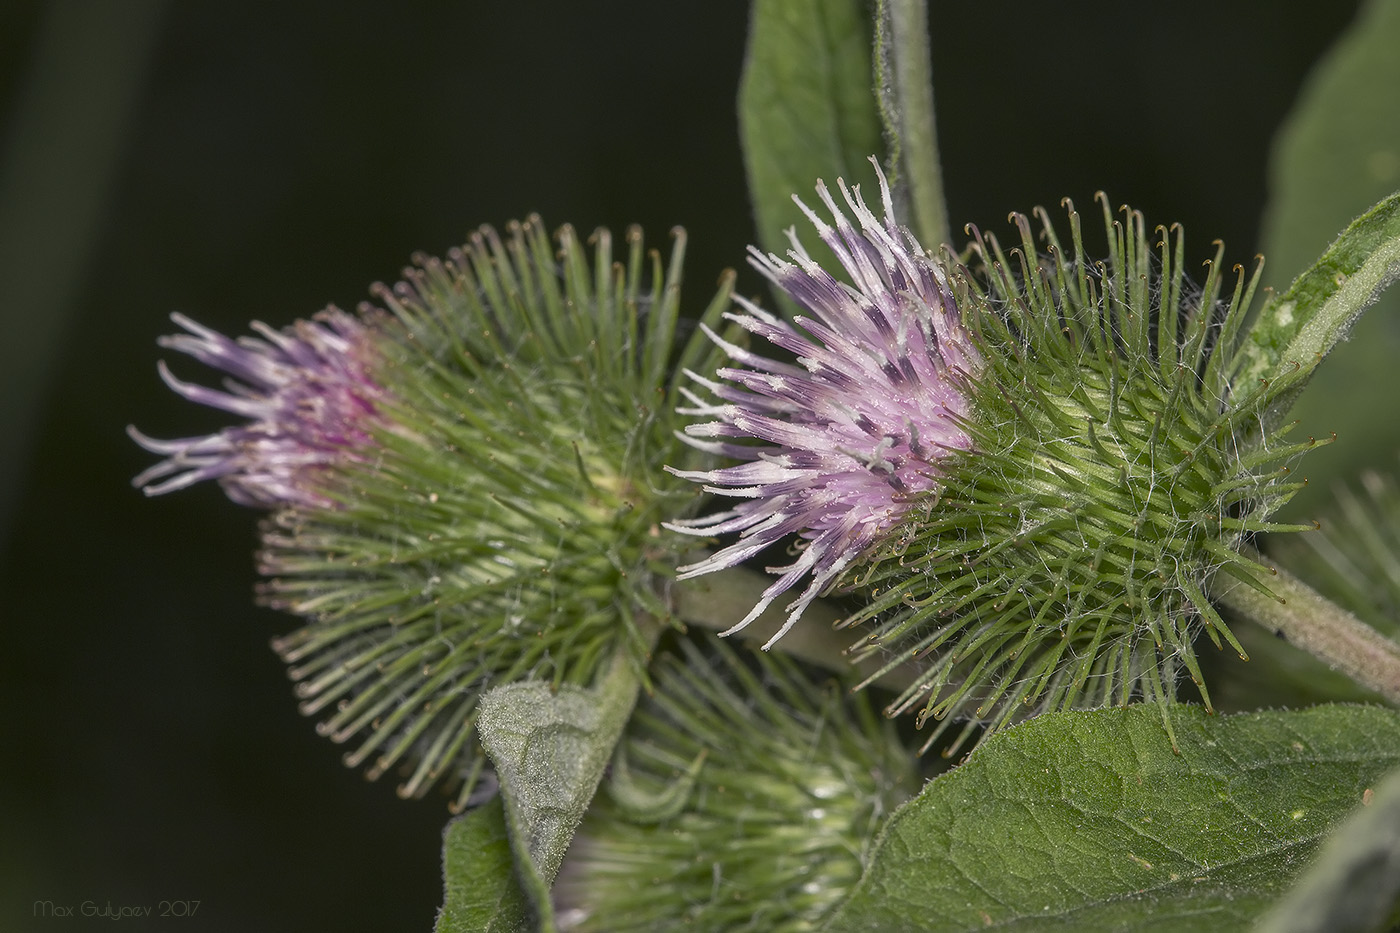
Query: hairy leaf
x: 550, y: 748
x: 1336, y: 154
x: 1298, y: 328
x: 1088, y: 821
x: 480, y: 891
x: 1354, y: 886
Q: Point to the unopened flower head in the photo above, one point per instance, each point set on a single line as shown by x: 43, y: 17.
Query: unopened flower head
x: 489, y: 437
x: 856, y: 431
x: 1030, y: 469
x: 309, y: 398
x: 746, y: 795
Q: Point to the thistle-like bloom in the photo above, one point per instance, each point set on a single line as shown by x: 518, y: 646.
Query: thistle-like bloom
x: 309, y: 397
x: 856, y: 432
x: 1031, y: 469
x: 467, y: 484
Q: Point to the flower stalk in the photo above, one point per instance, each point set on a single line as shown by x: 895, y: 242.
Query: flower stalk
x: 905, y: 75
x: 1307, y: 620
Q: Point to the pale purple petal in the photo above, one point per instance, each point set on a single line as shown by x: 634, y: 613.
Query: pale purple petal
x: 308, y: 397
x: 845, y: 443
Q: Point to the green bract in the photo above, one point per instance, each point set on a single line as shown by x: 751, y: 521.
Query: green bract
x: 1118, y: 465
x: 507, y: 525
x: 743, y: 797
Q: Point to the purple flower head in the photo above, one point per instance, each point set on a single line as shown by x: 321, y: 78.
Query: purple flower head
x: 856, y: 431
x: 309, y: 398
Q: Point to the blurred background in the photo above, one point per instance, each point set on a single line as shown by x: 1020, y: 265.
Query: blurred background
x: 262, y: 160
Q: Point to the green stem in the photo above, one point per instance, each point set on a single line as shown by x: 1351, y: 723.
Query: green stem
x: 1307, y: 620
x: 1295, y: 612
x: 905, y: 77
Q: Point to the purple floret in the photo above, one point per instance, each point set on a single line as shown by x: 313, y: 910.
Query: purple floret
x: 854, y: 433
x: 310, y: 401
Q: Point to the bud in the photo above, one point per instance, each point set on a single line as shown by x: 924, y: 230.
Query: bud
x: 467, y: 492
x: 744, y: 796
x: 1066, y: 456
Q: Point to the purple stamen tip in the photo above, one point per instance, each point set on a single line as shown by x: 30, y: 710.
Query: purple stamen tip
x: 310, y: 402
x: 853, y: 437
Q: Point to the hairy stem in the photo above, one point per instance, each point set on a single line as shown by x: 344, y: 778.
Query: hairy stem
x: 905, y: 76
x: 1300, y: 615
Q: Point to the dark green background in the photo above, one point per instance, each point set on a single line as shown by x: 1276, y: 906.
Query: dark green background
x: 280, y: 156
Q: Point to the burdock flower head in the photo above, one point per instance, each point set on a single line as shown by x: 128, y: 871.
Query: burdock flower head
x: 310, y: 399
x: 467, y: 483
x: 744, y: 796
x: 1029, y: 468
x: 856, y: 432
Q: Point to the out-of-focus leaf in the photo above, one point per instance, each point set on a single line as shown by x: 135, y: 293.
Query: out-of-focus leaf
x: 807, y: 109
x: 480, y: 891
x: 1354, y: 886
x: 1088, y: 821
x: 1337, y: 154
x: 66, y: 130
x: 550, y: 748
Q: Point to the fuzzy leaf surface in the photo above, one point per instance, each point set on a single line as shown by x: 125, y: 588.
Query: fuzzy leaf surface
x: 1354, y: 886
x: 480, y: 891
x: 1087, y: 821
x: 550, y: 747
x: 807, y: 108
x: 1301, y: 326
x: 1337, y: 153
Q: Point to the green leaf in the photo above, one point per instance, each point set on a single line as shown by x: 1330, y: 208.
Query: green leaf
x: 480, y: 891
x: 1087, y: 821
x: 1296, y: 330
x: 550, y: 748
x: 1354, y: 886
x: 807, y: 107
x: 1336, y: 154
